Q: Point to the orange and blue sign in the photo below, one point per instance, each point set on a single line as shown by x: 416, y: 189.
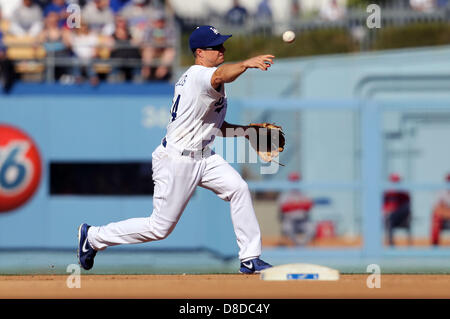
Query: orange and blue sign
x: 20, y: 168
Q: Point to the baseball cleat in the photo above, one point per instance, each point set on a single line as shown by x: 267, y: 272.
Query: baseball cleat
x: 85, y: 252
x: 253, y: 266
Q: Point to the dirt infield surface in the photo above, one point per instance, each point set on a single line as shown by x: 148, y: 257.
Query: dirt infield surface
x: 221, y: 286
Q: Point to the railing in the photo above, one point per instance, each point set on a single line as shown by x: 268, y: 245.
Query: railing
x: 353, y: 17
x: 354, y: 22
x: 33, y: 58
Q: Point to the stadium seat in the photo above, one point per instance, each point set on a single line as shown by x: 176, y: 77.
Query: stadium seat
x: 4, y: 26
x: 23, y: 48
x: 30, y: 67
x: 102, y: 68
x: 27, y: 56
x: 103, y: 48
x: 104, y: 54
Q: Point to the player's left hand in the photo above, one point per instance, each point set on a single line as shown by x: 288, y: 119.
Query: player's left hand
x: 273, y: 140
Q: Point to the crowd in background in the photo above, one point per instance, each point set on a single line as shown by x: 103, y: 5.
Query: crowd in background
x: 139, y: 35
x: 137, y: 38
x: 327, y: 10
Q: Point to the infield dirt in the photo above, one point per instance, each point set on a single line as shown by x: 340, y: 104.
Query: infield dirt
x: 220, y: 286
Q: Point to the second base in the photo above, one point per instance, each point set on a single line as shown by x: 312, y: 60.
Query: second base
x: 299, y: 272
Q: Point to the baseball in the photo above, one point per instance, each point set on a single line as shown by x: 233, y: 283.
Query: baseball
x: 288, y: 36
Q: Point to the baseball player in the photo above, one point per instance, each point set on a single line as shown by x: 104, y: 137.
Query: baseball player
x: 441, y: 213
x: 295, y: 209
x: 396, y: 208
x: 184, y: 160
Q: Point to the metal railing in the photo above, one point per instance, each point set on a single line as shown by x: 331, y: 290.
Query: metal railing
x: 391, y: 16
x: 50, y: 60
x: 353, y: 22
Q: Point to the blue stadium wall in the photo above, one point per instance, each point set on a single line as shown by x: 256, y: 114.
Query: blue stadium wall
x: 108, y: 124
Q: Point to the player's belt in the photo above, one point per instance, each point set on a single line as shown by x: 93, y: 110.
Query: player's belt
x: 193, y: 154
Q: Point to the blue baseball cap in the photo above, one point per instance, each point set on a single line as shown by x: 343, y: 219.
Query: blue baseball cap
x: 206, y: 36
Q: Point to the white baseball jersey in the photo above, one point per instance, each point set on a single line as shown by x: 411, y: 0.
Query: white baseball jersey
x: 198, y: 110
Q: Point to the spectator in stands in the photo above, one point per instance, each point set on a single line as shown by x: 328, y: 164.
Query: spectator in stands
x: 442, y: 4
x: 117, y: 5
x: 423, y: 5
x: 139, y: 14
x: 124, y: 49
x: 396, y: 208
x: 441, y: 213
x: 81, y: 3
x: 237, y: 15
x: 158, y: 44
x: 264, y: 10
x: 84, y: 44
x: 42, y: 3
x: 8, y: 7
x: 295, y: 10
x: 99, y: 16
x: 55, y: 41
x: 27, y: 20
x: 2, y: 45
x: 7, y: 72
x: 295, y: 216
x: 263, y: 16
x: 59, y: 7
x: 332, y: 11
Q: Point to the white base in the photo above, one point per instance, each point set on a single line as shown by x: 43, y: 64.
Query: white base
x: 308, y: 272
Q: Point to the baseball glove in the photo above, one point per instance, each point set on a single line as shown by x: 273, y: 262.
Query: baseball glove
x: 269, y: 141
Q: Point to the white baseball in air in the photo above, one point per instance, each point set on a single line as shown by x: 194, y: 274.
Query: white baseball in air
x: 289, y: 36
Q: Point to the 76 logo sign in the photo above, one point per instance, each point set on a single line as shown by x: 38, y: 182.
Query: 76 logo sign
x: 20, y: 168
x: 15, y: 168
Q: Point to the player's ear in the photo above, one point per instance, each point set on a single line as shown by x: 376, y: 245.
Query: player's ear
x: 198, y: 53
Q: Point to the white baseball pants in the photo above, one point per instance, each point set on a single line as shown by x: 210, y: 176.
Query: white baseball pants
x: 176, y: 176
